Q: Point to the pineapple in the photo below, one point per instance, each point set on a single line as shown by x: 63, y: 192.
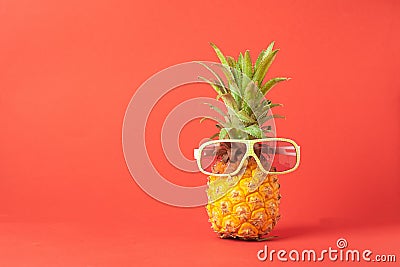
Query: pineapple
x: 245, y: 205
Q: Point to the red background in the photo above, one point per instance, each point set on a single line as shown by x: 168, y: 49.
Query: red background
x: 68, y: 70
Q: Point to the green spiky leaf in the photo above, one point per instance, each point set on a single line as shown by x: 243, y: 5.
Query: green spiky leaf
x: 264, y: 110
x: 233, y: 68
x: 214, y: 135
x: 259, y: 58
x: 220, y: 82
x: 263, y: 67
x: 267, y: 128
x: 236, y: 94
x: 267, y: 107
x: 247, y: 69
x: 229, y: 101
x: 219, y: 54
x: 217, y: 109
x: 231, y: 61
x: 254, y: 130
x: 271, y: 83
x: 244, y: 117
x: 252, y: 98
x: 240, y: 61
x: 223, y: 133
x: 270, y: 47
x: 247, y: 65
x: 263, y: 54
x: 263, y: 119
x: 243, y: 89
x: 211, y: 118
x: 219, y: 89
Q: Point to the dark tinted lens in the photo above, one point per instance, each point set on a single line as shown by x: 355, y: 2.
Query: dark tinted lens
x: 276, y: 156
x: 223, y: 157
x: 208, y: 157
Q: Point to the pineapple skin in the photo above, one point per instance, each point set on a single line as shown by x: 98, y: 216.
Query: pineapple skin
x: 246, y: 211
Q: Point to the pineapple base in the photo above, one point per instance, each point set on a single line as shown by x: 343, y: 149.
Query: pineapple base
x: 250, y: 207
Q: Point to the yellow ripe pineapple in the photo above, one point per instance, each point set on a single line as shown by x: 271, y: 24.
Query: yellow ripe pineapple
x: 243, y: 188
x: 245, y: 213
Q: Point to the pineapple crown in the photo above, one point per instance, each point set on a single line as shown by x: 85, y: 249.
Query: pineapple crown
x: 243, y: 92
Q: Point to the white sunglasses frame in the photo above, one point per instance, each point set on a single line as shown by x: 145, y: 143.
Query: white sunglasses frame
x: 249, y: 153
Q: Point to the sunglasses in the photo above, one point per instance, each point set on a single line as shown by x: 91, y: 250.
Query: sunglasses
x: 273, y: 155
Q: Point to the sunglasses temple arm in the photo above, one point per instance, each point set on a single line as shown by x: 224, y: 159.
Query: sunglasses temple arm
x: 196, y: 153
